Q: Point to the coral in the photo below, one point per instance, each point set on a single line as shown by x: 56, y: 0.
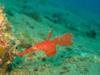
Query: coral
x: 3, y: 43
x: 1, y: 51
x: 7, y: 47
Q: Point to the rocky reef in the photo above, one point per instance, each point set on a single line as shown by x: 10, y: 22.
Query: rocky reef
x: 7, y: 42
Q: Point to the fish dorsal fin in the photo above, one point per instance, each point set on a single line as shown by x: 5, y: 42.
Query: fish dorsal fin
x: 49, y: 34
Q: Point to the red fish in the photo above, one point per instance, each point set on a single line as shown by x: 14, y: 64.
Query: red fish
x: 49, y: 46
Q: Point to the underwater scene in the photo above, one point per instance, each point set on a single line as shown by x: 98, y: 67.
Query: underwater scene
x: 49, y: 37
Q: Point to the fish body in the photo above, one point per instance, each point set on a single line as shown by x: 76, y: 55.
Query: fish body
x: 49, y: 46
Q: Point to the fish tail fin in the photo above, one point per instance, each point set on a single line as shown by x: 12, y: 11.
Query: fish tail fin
x: 26, y: 51
x: 65, y: 40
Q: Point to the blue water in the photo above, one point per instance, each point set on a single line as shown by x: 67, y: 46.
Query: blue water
x: 91, y: 5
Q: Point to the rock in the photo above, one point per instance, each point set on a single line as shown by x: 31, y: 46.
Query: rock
x: 91, y: 34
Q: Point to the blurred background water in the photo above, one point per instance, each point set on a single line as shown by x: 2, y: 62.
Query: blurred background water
x: 86, y: 5
x: 80, y: 7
